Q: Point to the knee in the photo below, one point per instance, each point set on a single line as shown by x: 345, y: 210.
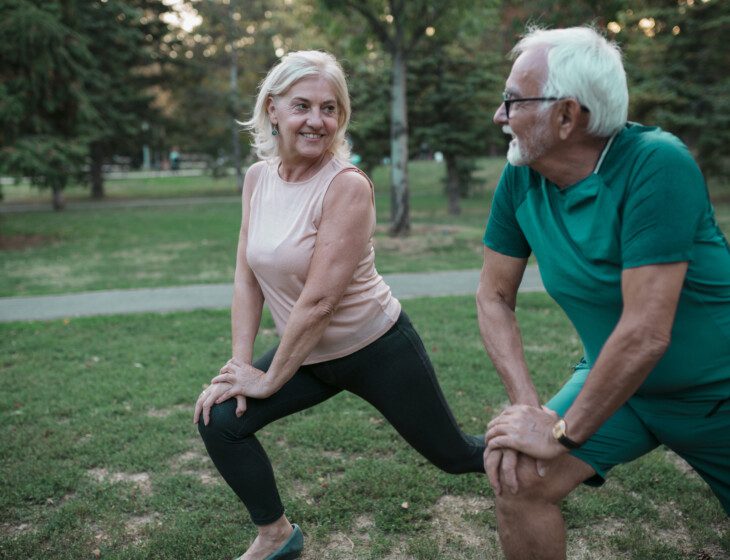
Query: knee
x: 532, y: 488
x: 224, y: 425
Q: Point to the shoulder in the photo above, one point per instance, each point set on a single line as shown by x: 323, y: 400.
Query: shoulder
x: 349, y: 181
x: 515, y: 182
x: 254, y: 172
x: 653, y: 147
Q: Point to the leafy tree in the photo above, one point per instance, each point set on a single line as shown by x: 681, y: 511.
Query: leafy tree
x: 46, y: 115
x: 398, y: 26
x: 73, y: 90
x: 129, y: 67
x: 677, y: 58
x: 456, y: 88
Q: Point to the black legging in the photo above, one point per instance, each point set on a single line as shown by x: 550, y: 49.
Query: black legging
x: 394, y: 374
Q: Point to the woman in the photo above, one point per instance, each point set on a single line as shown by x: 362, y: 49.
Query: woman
x: 305, y: 247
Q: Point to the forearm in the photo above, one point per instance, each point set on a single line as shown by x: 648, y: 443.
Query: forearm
x: 503, y: 342
x: 304, y: 329
x: 627, y: 358
x: 246, y: 311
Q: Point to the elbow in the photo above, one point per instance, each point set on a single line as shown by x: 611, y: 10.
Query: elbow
x: 650, y: 342
x: 322, y: 310
x: 656, y: 343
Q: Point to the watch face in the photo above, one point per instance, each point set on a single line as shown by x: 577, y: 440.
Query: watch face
x: 559, y: 429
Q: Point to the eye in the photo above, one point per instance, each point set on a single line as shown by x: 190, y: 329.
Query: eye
x: 300, y: 107
x: 330, y: 109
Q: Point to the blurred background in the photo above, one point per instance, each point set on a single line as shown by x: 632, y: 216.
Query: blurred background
x: 93, y: 90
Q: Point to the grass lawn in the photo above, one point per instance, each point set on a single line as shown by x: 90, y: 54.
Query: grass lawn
x: 104, y: 248
x: 109, y: 248
x: 100, y: 457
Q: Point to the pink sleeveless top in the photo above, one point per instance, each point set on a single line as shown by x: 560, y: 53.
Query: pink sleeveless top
x: 282, y: 231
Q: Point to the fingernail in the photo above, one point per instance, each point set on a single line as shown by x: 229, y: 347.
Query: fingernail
x: 541, y: 471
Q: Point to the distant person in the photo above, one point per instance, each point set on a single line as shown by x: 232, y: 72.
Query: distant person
x: 175, y: 159
x: 305, y: 248
x: 619, y: 220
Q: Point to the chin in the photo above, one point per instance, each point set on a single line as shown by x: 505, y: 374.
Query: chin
x: 514, y: 155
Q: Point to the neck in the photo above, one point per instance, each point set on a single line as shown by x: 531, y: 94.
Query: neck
x: 571, y: 163
x: 294, y: 171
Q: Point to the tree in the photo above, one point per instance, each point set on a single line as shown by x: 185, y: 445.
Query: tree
x: 46, y: 114
x: 456, y: 89
x: 128, y: 66
x: 399, y: 26
x: 228, y: 53
x: 73, y: 91
x: 676, y: 59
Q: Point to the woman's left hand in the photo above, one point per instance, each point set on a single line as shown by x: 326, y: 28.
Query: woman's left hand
x: 244, y: 380
x: 209, y: 397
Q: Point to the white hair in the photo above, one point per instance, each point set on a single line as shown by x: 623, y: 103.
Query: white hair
x: 291, y: 68
x: 585, y: 65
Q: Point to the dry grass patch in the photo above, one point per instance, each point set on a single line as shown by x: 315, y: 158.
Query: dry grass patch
x: 450, y: 521
x: 165, y: 412
x: 140, y: 480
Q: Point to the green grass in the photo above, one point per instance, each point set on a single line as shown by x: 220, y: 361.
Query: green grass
x: 99, y: 452
x: 106, y: 248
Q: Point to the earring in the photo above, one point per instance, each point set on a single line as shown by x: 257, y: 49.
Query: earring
x: 275, y: 130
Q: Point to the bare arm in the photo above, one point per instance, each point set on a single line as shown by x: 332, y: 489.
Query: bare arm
x: 639, y: 340
x: 246, y: 309
x: 496, y: 299
x: 346, y: 226
x: 248, y: 300
x: 637, y: 343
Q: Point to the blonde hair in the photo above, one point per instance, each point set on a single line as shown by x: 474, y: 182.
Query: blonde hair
x: 291, y: 68
x: 585, y: 65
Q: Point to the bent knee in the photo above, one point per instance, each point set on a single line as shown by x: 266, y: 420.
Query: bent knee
x: 224, y: 425
x: 533, y: 487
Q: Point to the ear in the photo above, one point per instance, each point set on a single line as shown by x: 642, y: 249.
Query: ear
x: 271, y: 109
x: 568, y: 115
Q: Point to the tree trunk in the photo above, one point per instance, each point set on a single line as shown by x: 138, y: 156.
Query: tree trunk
x: 235, y: 138
x: 57, y: 198
x: 97, y: 174
x: 399, y: 196
x: 452, y: 184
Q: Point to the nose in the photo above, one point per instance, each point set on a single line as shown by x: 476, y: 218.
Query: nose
x: 314, y: 118
x: 500, y: 115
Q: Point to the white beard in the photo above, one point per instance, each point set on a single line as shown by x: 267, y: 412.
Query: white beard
x: 514, y: 153
x: 518, y: 154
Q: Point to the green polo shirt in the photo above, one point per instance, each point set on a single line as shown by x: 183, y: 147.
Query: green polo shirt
x: 646, y: 203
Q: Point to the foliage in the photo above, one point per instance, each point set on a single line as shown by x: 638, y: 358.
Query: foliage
x: 75, y: 75
x: 676, y: 55
x: 454, y: 89
x: 46, y: 116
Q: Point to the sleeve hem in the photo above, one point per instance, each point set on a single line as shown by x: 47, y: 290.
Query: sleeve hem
x: 505, y: 251
x: 658, y: 259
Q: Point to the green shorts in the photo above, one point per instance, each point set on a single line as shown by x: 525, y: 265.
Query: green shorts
x: 695, y: 428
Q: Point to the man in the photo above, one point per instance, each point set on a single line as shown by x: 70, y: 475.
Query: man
x: 619, y: 219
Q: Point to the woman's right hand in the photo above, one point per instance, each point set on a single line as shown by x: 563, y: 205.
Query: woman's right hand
x: 207, y: 399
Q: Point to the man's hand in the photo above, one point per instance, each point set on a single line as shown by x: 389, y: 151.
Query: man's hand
x: 500, y: 464
x: 526, y: 429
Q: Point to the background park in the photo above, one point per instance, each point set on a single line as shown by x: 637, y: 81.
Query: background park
x: 99, y: 455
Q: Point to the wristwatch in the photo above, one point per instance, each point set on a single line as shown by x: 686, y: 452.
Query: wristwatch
x: 559, y: 434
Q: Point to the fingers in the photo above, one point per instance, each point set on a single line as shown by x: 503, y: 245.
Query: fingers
x: 207, y: 404
x: 492, y: 460
x: 541, y: 467
x: 199, y: 406
x: 224, y: 378
x: 240, y: 405
x: 508, y: 470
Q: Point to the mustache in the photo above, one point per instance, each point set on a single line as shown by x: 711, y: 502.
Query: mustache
x: 507, y: 130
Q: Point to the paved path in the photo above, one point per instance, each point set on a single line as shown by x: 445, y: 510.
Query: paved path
x: 71, y: 205
x: 218, y: 296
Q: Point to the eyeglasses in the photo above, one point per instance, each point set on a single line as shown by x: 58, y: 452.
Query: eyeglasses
x: 507, y: 100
